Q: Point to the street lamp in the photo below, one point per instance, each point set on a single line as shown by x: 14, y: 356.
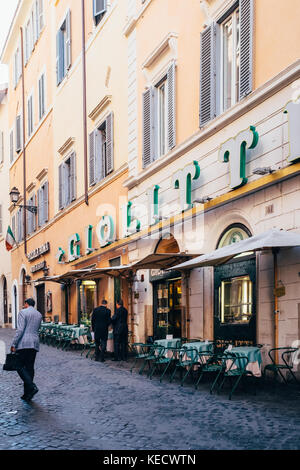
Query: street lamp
x: 14, y: 197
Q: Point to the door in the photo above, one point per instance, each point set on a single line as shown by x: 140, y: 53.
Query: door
x: 40, y: 299
x: 235, y: 301
x: 167, y: 308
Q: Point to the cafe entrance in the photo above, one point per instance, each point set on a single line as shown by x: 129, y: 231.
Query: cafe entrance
x: 167, y: 308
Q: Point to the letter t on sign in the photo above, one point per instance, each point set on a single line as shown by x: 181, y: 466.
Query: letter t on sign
x: 182, y: 180
x: 234, y: 152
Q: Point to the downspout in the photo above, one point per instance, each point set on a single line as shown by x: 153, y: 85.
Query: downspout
x: 276, y: 311
x: 86, y: 196
x: 24, y: 148
x: 131, y: 309
x: 187, y: 314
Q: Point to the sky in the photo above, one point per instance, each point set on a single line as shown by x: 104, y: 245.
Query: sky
x: 7, y: 10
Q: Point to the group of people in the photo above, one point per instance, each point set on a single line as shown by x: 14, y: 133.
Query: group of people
x: 26, y: 340
x: 101, y: 320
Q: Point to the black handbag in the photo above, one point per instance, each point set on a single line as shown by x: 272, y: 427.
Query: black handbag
x: 12, y: 362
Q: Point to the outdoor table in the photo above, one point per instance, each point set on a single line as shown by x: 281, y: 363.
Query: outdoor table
x: 200, y: 346
x: 254, y: 357
x: 168, y: 343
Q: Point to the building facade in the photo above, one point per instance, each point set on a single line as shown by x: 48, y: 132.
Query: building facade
x: 157, y: 127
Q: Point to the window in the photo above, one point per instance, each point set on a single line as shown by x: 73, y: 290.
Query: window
x: 11, y: 146
x: 159, y: 118
x: 13, y: 226
x: 30, y: 116
x: 63, y: 49
x: 101, y: 159
x: 43, y: 204
x: 1, y: 147
x: 17, y: 66
x: 236, y: 300
x: 30, y: 216
x: 18, y: 134
x: 99, y: 9
x: 226, y: 61
x: 33, y: 28
x: 41, y: 96
x: 67, y: 181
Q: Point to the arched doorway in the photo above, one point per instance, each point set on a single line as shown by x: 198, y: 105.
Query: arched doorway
x: 167, y: 295
x: 234, y: 291
x: 5, y: 309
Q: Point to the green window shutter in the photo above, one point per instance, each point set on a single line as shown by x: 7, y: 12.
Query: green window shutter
x: 68, y: 40
x: 208, y: 75
x: 171, y: 76
x: 92, y: 156
x: 246, y: 54
x: 109, y: 143
x: 148, y: 127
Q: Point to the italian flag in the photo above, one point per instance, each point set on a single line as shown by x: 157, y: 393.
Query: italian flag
x: 10, y: 239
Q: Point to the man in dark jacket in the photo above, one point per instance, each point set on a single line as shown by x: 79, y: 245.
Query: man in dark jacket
x: 119, y: 321
x: 100, y: 323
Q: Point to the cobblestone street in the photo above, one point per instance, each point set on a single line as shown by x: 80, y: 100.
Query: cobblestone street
x: 83, y: 404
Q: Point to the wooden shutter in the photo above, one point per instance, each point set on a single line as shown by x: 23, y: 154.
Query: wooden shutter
x: 46, y: 202
x: 28, y: 218
x: 39, y: 206
x: 171, y: 76
x: 72, y: 180
x: 1, y: 146
x: 148, y: 127
x: 109, y: 143
x: 13, y: 225
x: 246, y: 54
x: 60, y: 60
x: 41, y: 15
x: 92, y: 157
x: 18, y: 133
x: 36, y: 18
x: 68, y: 40
x: 33, y: 214
x: 99, y: 7
x: 208, y: 75
x: 61, y: 199
x: 99, y: 156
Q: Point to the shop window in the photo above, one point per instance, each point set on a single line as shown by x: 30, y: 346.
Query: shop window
x: 236, y: 299
x: 88, y: 291
x: 167, y: 320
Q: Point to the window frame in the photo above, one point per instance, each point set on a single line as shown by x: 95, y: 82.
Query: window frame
x: 161, y: 146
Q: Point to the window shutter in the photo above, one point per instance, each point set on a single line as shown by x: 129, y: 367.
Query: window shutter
x: 18, y: 133
x: 148, y: 127
x: 33, y: 214
x: 1, y: 227
x: 92, y: 156
x: 46, y: 202
x: 28, y: 217
x: 11, y: 146
x: 68, y: 40
x: 99, y: 7
x: 208, y: 75
x: 171, y: 106
x: 13, y: 225
x: 59, y: 56
x: 40, y: 98
x: 41, y: 15
x: 36, y: 19
x: 1, y: 146
x: 72, y: 177
x: 39, y: 205
x: 61, y: 186
x: 109, y: 144
x: 99, y: 156
x: 246, y: 57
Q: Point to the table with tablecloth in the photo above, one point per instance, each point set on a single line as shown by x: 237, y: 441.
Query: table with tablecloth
x: 253, y: 355
x: 200, y: 347
x: 168, y: 343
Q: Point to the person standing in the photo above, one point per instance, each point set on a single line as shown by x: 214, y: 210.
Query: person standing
x: 120, y: 332
x: 26, y: 343
x: 101, y: 320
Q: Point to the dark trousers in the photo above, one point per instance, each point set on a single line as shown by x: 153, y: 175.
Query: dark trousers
x: 26, y: 372
x: 100, y: 348
x: 120, y: 346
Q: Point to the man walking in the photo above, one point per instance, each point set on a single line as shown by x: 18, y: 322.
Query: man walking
x: 26, y: 343
x: 100, y: 323
x: 119, y: 321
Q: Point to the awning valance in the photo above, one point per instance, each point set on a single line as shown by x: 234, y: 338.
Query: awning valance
x: 162, y: 260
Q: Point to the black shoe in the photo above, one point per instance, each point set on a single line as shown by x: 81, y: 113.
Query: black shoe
x: 115, y: 359
x: 31, y: 394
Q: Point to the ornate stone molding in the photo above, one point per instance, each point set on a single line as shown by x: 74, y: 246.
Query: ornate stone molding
x: 100, y: 107
x: 42, y: 174
x: 169, y: 42
x: 66, y: 145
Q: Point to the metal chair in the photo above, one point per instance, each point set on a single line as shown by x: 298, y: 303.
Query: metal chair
x: 187, y: 359
x: 210, y: 363
x: 236, y: 368
x: 287, y: 356
x: 165, y: 358
x: 140, y: 351
x: 155, y: 351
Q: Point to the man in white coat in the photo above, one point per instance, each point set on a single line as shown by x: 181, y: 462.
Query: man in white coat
x: 26, y: 343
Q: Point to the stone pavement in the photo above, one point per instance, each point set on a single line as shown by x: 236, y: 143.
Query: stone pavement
x: 84, y: 404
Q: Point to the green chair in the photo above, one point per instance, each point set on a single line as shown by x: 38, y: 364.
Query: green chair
x: 90, y: 345
x: 210, y: 363
x: 155, y: 351
x: 287, y: 357
x: 163, y: 359
x: 140, y: 351
x: 187, y: 359
x: 236, y: 370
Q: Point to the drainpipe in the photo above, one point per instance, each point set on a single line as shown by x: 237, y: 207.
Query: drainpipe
x: 86, y: 196
x: 276, y: 311
x: 187, y: 294
x: 24, y: 149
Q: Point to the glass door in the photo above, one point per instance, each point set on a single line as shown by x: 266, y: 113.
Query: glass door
x: 167, y: 308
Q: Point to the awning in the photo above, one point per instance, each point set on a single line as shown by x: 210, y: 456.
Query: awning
x: 161, y: 260
x: 274, y: 238
x: 94, y: 273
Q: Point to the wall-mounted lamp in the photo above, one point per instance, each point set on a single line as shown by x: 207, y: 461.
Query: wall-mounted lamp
x: 265, y: 170
x: 45, y: 270
x: 14, y: 197
x: 27, y: 278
